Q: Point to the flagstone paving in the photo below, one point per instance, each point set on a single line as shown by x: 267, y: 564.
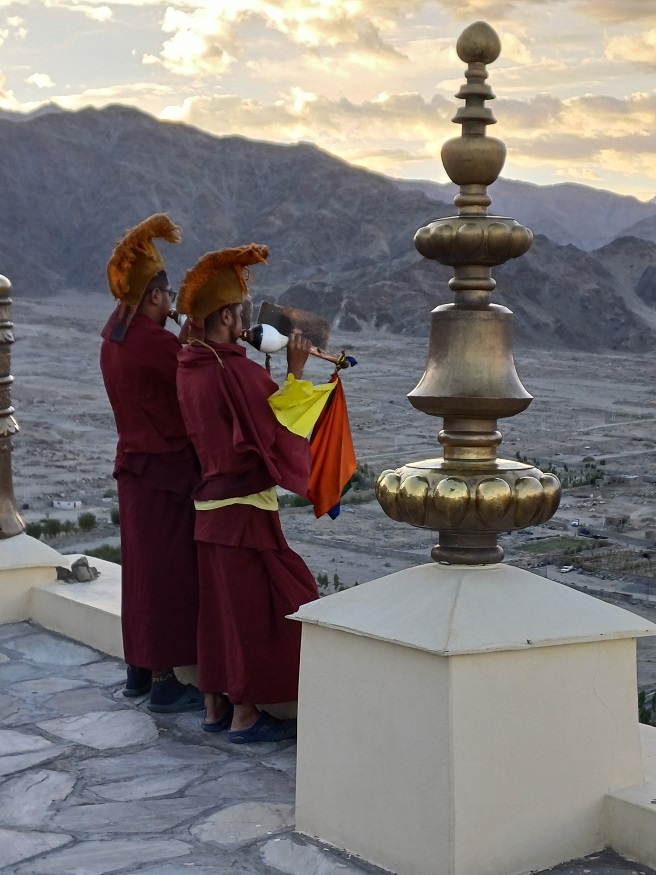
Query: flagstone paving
x: 91, y: 783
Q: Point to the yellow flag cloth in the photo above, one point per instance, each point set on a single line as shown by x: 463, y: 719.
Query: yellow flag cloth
x: 265, y: 500
x: 298, y: 404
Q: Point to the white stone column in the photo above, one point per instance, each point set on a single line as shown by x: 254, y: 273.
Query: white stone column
x: 465, y: 720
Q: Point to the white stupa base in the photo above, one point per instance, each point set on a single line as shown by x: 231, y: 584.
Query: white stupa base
x: 25, y: 563
x: 87, y: 612
x: 465, y: 721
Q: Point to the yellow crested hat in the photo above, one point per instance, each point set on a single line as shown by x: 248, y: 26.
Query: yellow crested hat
x: 136, y: 260
x: 218, y: 279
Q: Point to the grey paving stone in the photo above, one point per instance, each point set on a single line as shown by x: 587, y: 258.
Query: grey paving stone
x: 167, y: 756
x: 13, y: 671
x: 146, y: 786
x: 50, y: 685
x: 27, y: 715
x: 28, y: 799
x: 289, y: 856
x: 283, y: 760
x: 605, y: 862
x: 12, y: 630
x: 106, y: 673
x: 8, y: 706
x: 197, y: 869
x: 104, y: 857
x: 16, y: 845
x: 12, y: 741
x: 81, y: 701
x: 132, y: 701
x: 239, y: 824
x: 187, y: 726
x: 256, y: 783
x: 149, y: 816
x: 104, y: 730
x: 10, y: 765
x: 48, y: 649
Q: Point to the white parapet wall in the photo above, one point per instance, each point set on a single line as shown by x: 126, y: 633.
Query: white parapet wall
x: 25, y: 563
x: 631, y: 811
x: 466, y: 721
x: 29, y: 590
x: 87, y: 612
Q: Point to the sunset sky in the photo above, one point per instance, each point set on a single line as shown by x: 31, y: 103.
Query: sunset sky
x: 371, y: 81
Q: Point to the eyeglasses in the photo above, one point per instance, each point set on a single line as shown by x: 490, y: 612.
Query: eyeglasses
x: 172, y: 295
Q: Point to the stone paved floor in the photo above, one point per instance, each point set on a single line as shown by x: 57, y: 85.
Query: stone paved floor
x: 92, y: 783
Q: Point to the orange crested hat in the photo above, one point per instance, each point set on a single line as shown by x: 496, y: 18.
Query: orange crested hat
x: 218, y: 279
x: 136, y: 260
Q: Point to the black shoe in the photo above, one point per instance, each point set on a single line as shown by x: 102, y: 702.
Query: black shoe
x: 138, y: 681
x: 266, y: 728
x: 169, y: 696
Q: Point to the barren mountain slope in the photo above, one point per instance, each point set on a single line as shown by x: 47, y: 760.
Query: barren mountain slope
x: 73, y: 182
x: 566, y: 213
x: 631, y: 263
x: 562, y: 298
x: 340, y: 237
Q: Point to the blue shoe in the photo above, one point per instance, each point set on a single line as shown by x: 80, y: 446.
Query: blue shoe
x: 222, y: 723
x: 265, y: 728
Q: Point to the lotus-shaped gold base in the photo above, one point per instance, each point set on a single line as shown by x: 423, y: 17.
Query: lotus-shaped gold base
x: 468, y: 504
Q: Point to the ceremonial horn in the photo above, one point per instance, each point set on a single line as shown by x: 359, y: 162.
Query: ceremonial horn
x: 275, y: 324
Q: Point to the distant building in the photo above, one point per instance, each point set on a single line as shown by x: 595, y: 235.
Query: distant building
x: 617, y: 521
x: 624, y: 479
x: 66, y: 504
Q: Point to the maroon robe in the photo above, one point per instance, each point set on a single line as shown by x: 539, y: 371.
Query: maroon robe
x: 156, y: 473
x: 250, y: 579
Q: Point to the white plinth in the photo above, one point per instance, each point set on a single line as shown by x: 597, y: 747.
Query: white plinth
x: 87, y: 612
x: 25, y: 563
x: 465, y: 721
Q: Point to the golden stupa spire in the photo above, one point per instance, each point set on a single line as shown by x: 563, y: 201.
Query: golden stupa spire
x: 469, y: 495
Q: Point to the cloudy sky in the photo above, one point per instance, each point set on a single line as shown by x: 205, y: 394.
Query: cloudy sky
x: 371, y: 81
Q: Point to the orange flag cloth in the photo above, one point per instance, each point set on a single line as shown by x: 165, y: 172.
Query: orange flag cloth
x: 333, y: 457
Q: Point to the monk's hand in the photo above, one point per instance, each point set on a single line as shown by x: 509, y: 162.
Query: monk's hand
x: 298, y: 350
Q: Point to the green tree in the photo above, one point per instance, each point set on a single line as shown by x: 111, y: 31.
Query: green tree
x: 86, y: 521
x: 51, y: 527
x: 108, y: 552
x: 114, y: 516
x: 34, y: 530
x: 338, y: 586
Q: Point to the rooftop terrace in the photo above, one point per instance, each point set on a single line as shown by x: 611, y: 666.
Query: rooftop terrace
x: 92, y: 783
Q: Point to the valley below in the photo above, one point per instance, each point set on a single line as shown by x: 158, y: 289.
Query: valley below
x: 592, y: 421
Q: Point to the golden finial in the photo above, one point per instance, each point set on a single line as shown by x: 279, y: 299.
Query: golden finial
x: 469, y: 495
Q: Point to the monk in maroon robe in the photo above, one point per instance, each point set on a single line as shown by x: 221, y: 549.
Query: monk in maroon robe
x: 156, y: 471
x: 250, y: 579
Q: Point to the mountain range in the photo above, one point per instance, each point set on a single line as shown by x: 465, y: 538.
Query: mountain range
x: 340, y: 237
